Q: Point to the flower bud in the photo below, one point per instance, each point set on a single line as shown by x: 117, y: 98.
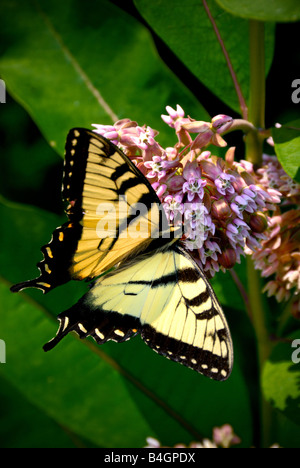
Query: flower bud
x: 171, y: 153
x: 175, y: 183
x: 161, y: 190
x: 258, y: 222
x: 172, y: 112
x: 217, y: 140
x: 196, y: 126
x: 167, y: 119
x: 227, y: 258
x: 210, y: 169
x: 239, y: 183
x: 270, y: 288
x: 221, y: 123
x: 204, y: 155
x: 207, y: 201
x: 202, y: 139
x: 229, y: 156
x: 211, y: 189
x: 221, y: 209
x: 248, y: 178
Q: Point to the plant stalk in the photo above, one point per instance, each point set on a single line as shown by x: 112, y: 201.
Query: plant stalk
x: 254, y: 152
x: 257, y: 102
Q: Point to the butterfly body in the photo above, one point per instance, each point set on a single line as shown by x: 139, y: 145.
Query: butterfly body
x: 155, y: 288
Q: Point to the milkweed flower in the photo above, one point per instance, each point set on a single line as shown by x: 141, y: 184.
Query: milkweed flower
x: 237, y: 232
x: 174, y: 116
x: 222, y: 205
x: 173, y: 208
x: 159, y: 166
x: 223, y: 183
x: 119, y: 133
x: 225, y: 437
x: 194, y: 184
x: 278, y: 256
x: 277, y: 253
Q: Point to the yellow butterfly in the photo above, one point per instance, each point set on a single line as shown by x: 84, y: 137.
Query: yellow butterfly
x: 155, y: 288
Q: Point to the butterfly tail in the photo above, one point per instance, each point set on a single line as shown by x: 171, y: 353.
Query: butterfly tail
x: 88, y: 321
x: 60, y: 335
x: 70, y: 320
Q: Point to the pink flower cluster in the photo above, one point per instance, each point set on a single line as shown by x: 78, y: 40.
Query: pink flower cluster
x: 272, y: 175
x: 278, y: 255
x: 219, y: 202
x: 223, y: 437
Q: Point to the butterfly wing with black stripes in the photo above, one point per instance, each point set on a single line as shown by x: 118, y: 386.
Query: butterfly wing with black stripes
x: 166, y: 298
x: 113, y: 214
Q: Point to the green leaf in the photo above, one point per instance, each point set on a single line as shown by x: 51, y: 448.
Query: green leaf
x: 287, y: 147
x: 287, y: 432
x: 191, y: 34
x: 113, y: 395
x: 72, y: 65
x: 21, y: 424
x: 281, y: 377
x: 263, y: 10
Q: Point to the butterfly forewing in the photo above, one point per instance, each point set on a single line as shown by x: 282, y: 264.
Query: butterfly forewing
x: 113, y: 213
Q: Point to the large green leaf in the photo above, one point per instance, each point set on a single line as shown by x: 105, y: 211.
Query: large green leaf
x: 114, y: 395
x: 73, y: 64
x: 191, y: 34
x: 21, y: 423
x: 281, y: 377
x: 263, y: 10
x: 287, y: 147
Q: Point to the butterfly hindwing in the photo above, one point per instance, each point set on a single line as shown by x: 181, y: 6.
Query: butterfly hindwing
x: 166, y: 298
x: 113, y: 213
x: 192, y: 328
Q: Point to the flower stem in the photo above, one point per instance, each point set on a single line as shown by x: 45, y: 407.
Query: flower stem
x: 237, y: 86
x: 254, y: 142
x: 259, y: 308
x: 241, y: 124
x: 254, y: 151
